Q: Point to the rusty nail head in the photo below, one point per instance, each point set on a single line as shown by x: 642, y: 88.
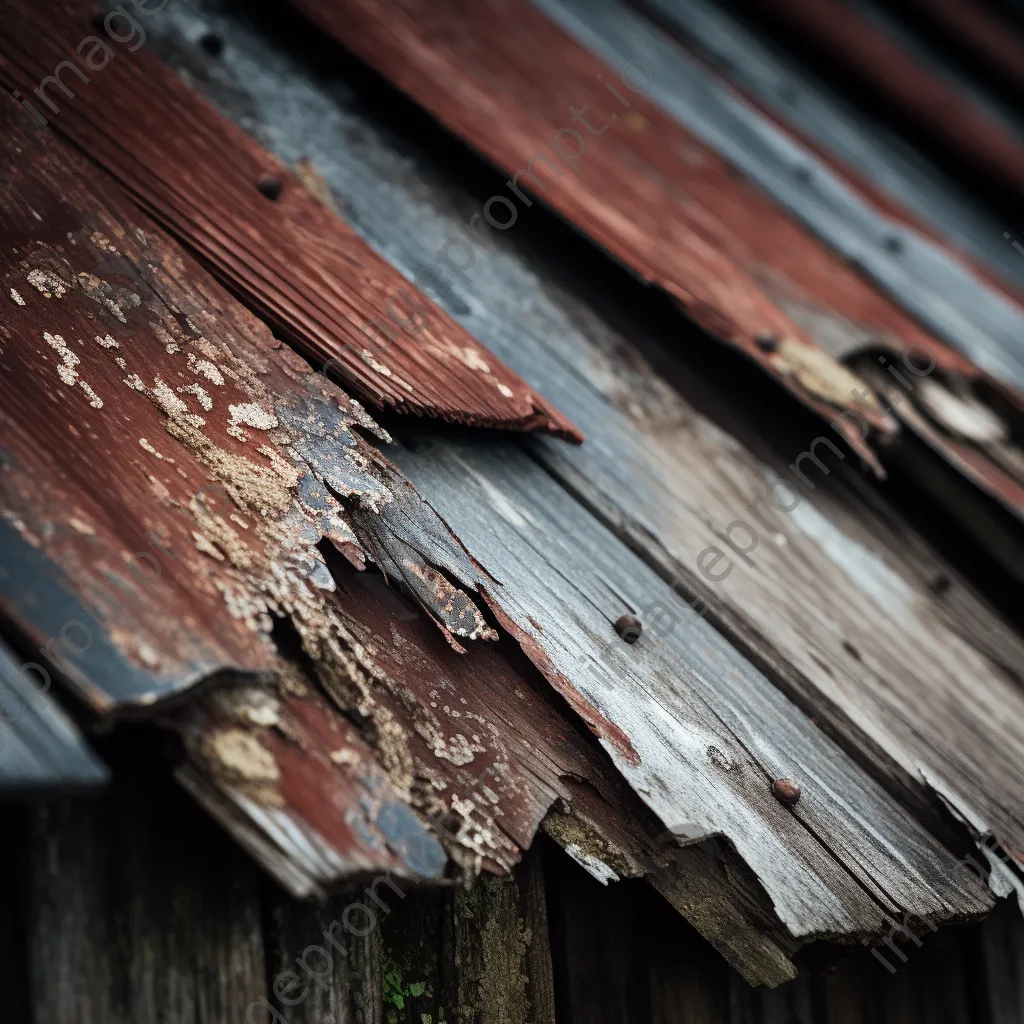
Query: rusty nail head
x: 767, y: 342
x: 629, y: 628
x: 786, y: 791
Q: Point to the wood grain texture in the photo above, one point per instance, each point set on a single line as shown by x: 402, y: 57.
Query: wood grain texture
x: 910, y: 279
x: 311, y: 820
x: 284, y: 764
x: 40, y: 747
x: 879, y: 63
x: 127, y: 923
x: 289, y: 257
x: 696, y: 731
x: 644, y: 449
x: 645, y: 190
x: 168, y: 504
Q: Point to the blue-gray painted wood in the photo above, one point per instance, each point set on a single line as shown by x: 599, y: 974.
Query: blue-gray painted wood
x: 866, y: 146
x: 927, y: 280
x: 40, y: 747
x: 668, y: 480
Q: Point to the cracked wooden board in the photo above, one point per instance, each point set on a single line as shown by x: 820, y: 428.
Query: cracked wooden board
x: 697, y: 731
x: 222, y: 489
x: 294, y: 782
x: 490, y: 756
x: 169, y: 502
x: 271, y: 240
x: 639, y: 187
x: 272, y: 763
x: 41, y: 749
x: 647, y: 449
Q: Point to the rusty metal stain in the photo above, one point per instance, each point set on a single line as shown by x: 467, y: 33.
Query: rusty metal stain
x: 275, y: 242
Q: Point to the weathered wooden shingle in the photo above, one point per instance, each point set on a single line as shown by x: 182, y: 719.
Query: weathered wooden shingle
x: 670, y: 481
x: 264, y: 230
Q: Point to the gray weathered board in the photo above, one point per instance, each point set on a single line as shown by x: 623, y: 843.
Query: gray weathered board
x: 40, y: 747
x: 929, y: 281
x: 865, y: 145
x: 926, y: 697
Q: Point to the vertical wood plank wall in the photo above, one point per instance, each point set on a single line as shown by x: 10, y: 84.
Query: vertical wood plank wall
x: 134, y: 908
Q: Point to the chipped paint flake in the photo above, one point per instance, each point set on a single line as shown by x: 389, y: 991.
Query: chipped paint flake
x: 17, y: 298
x: 250, y: 414
x: 106, y: 342
x: 201, y: 393
x: 48, y: 283
x: 204, y: 367
x: 66, y: 371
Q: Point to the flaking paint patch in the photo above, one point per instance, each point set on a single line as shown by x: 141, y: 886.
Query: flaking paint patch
x: 17, y: 298
x: 66, y: 371
x: 238, y: 757
x: 252, y: 415
x: 47, y: 283
x: 200, y: 393
x: 206, y: 368
x: 106, y: 341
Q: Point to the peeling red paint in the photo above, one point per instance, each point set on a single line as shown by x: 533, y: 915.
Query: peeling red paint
x: 289, y: 257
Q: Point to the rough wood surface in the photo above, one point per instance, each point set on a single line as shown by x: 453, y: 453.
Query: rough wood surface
x: 269, y: 764
x: 140, y: 910
x: 845, y: 310
x: 471, y: 956
x: 644, y: 451
x: 287, y: 255
x: 169, y: 503
x: 40, y: 747
x: 695, y: 729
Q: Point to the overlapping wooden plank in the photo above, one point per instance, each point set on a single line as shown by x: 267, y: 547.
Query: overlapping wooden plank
x: 853, y: 41
x: 694, y: 728
x: 566, y: 346
x: 638, y: 185
x: 40, y: 747
x: 276, y: 245
x: 293, y: 781
x: 838, y: 308
x: 895, y: 176
x: 188, y: 463
x: 275, y: 764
